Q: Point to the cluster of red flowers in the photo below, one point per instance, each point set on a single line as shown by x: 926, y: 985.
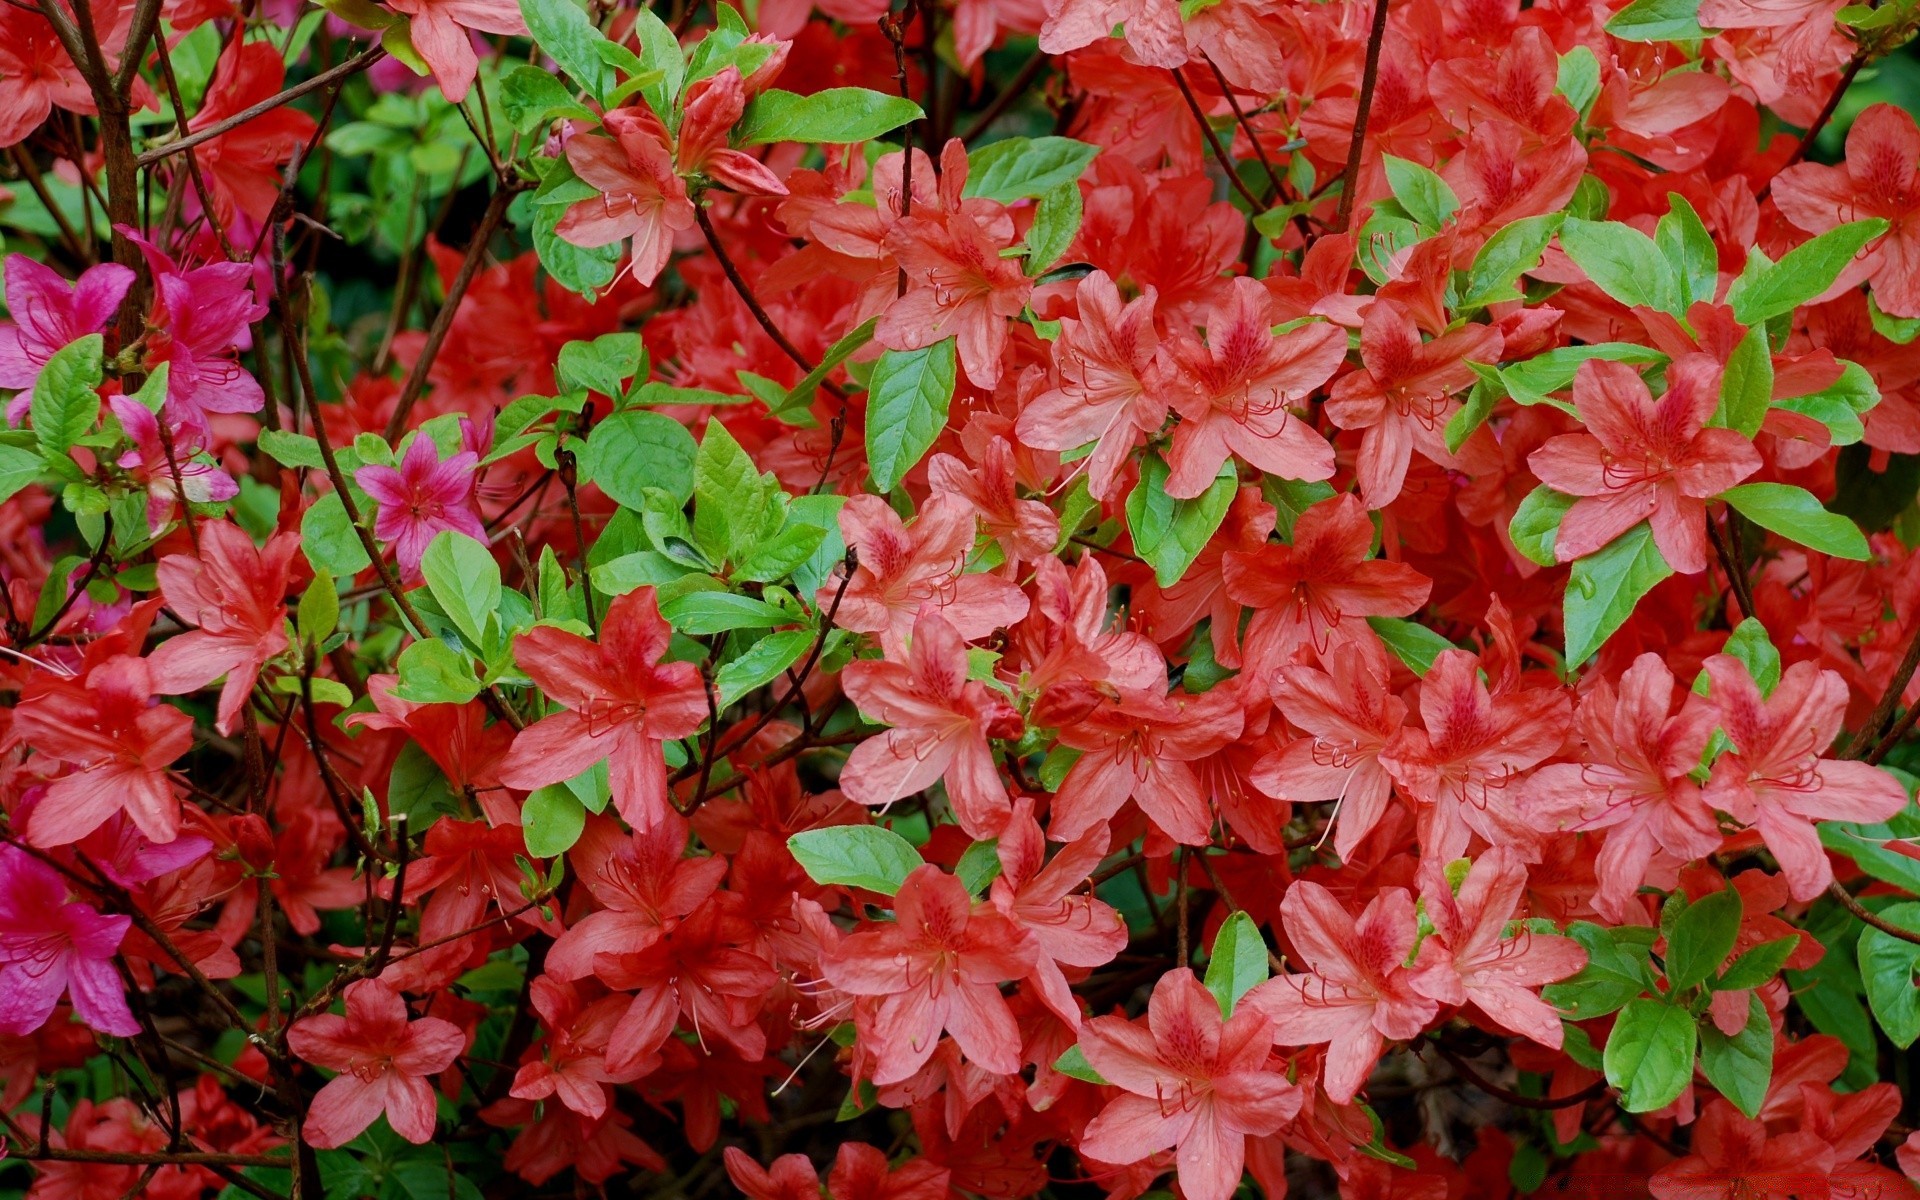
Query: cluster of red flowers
x: 993, y: 598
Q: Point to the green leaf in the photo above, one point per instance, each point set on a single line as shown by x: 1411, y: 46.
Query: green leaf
x: 554, y: 819
x: 1536, y: 524
x: 698, y: 614
x: 1797, y: 514
x: 1888, y: 967
x: 1530, y: 382
x: 1757, y: 966
x: 292, y: 449
x: 1411, y: 642
x: 1750, y: 643
x: 328, y: 539
x: 1658, y: 21
x: 1741, y: 1066
x: 319, y: 610
x: 1170, y: 533
x: 1488, y: 391
x: 532, y: 98
x: 562, y: 30
x: 1702, y: 937
x: 1509, y: 254
x: 1616, y: 972
x: 19, y: 467
x: 729, y: 499
x: 1578, y: 79
x: 1424, y: 195
x: 1605, y: 586
x: 793, y: 407
x: 1074, y: 1063
x: 1840, y: 406
x: 433, y: 672
x: 1688, y: 247
x: 417, y: 790
x: 979, y: 866
x: 1649, y: 1054
x: 1056, y: 222
x: 1239, y: 961
x: 863, y: 856
x: 1766, y: 290
x: 836, y: 116
x: 780, y: 555
x: 1622, y: 262
x: 602, y: 365
x: 660, y: 51
x: 1746, y: 389
x: 634, y: 450
x: 1025, y: 168
x: 465, y: 582
x: 1794, y: 513
x: 66, y: 401
x: 761, y: 664
x: 907, y: 401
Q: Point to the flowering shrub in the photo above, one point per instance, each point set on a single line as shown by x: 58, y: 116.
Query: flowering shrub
x: 1041, y: 598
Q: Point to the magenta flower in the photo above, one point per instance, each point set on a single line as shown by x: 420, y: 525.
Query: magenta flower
x: 421, y: 498
x: 50, y: 314
x: 206, y: 321
x: 201, y: 481
x: 50, y: 947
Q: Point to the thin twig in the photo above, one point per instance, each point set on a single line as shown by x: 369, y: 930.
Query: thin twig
x: 1213, y: 141
x: 1350, y: 178
x: 352, y: 66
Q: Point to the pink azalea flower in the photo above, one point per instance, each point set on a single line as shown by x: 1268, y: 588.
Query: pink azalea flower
x: 384, y: 1061
x: 205, y: 321
x: 50, y: 947
x: 420, y: 499
x: 50, y: 314
x: 1775, y: 778
x: 201, y: 482
x: 233, y: 592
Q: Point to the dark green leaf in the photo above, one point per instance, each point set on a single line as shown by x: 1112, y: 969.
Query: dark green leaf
x: 1741, y: 1066
x: 1757, y: 966
x: 698, y: 614
x: 1890, y: 969
x: 1411, y: 642
x: 1701, y: 938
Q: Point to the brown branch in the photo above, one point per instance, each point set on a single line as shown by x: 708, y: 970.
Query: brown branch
x: 1869, y: 916
x: 1213, y: 141
x: 750, y: 300
x: 1350, y: 178
x: 1820, y: 122
x: 352, y: 66
x: 1538, y: 1104
x: 1890, y: 699
x: 416, y: 383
